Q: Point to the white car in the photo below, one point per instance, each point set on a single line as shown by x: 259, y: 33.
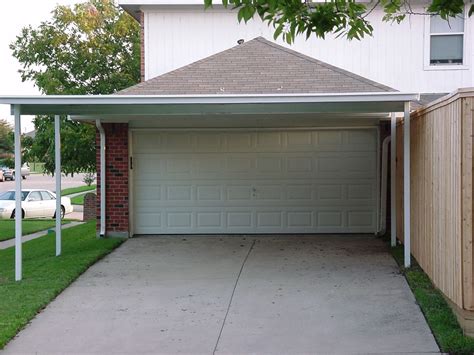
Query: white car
x: 35, y: 203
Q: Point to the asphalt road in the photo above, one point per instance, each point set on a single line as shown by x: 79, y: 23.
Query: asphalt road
x: 47, y: 182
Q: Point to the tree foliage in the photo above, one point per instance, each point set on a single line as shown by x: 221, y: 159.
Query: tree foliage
x: 90, y: 48
x: 347, y: 18
x: 6, y: 138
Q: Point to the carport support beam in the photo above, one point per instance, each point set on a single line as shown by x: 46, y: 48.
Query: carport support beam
x: 393, y: 180
x: 18, y: 211
x: 57, y: 154
x: 406, y: 186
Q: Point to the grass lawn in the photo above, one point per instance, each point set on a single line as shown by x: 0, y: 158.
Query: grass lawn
x: 78, y: 200
x: 45, y: 275
x: 75, y: 190
x: 7, y: 227
x: 438, y: 314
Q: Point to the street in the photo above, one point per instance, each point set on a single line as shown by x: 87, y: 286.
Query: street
x: 47, y: 182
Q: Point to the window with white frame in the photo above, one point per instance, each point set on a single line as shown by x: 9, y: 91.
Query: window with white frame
x: 447, y: 40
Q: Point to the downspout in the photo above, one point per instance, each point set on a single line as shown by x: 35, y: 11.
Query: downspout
x: 383, y: 187
x: 102, y: 178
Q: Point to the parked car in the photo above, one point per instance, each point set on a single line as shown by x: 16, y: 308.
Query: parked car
x: 2, y: 178
x: 36, y: 203
x: 9, y: 174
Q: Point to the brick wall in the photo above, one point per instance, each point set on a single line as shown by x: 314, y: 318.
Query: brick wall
x: 90, y: 207
x: 142, y: 46
x: 116, y: 178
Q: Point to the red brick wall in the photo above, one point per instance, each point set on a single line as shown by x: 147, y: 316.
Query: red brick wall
x: 90, y: 207
x: 116, y: 178
x: 142, y: 46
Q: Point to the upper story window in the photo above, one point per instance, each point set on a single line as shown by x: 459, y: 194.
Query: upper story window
x: 447, y: 41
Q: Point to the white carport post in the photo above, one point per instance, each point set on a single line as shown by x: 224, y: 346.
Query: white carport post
x: 18, y: 210
x: 57, y: 155
x: 406, y: 185
x: 393, y: 180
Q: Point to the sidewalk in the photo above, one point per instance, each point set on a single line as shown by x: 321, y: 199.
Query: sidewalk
x: 11, y: 242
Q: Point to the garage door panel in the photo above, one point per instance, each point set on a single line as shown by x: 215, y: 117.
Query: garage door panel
x: 256, y: 192
x: 254, y: 182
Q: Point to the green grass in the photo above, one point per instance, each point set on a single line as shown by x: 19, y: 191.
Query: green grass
x: 44, y: 275
x: 36, y: 168
x: 7, y: 227
x: 75, y: 190
x: 78, y: 200
x: 438, y: 314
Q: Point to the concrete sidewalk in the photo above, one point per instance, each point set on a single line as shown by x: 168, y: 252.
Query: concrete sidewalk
x: 11, y: 242
x: 234, y: 295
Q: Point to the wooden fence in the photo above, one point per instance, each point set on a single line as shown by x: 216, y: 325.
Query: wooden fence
x: 441, y: 193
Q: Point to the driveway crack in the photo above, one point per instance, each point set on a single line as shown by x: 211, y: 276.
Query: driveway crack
x: 232, y: 295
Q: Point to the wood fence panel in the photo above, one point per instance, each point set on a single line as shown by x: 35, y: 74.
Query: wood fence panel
x: 437, y: 197
x: 467, y: 207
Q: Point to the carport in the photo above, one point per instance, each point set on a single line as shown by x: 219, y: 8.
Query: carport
x: 221, y: 111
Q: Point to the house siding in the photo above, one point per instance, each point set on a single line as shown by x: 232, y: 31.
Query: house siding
x: 117, y: 178
x: 395, y: 55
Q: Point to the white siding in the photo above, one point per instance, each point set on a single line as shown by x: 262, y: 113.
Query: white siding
x: 394, y: 56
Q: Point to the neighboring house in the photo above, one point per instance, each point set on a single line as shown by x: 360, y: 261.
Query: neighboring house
x: 421, y: 54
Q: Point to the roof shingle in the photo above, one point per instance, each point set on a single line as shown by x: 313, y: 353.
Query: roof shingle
x: 256, y: 67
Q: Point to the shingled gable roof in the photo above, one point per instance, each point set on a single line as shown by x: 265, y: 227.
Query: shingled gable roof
x: 256, y: 67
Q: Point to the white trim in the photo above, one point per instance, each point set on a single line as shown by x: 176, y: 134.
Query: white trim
x: 103, y: 220
x: 57, y: 155
x: 406, y: 187
x: 393, y: 181
x: 121, y: 100
x: 18, y: 210
x: 383, y: 186
x: 252, y: 129
x: 146, y: 40
x: 377, y: 183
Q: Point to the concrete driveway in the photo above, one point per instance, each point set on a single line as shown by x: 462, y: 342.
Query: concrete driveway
x: 235, y: 295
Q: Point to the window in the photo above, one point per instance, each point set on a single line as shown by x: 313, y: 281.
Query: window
x: 34, y: 196
x: 447, y: 40
x: 46, y: 196
x: 10, y: 195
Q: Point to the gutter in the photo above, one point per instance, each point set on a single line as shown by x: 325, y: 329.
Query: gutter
x: 102, y: 178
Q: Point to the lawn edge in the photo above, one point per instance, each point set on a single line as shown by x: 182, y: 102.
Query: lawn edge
x: 72, y: 190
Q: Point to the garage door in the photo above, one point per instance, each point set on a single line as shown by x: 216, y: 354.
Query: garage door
x: 307, y: 181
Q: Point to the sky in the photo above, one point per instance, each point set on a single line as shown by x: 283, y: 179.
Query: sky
x: 33, y: 12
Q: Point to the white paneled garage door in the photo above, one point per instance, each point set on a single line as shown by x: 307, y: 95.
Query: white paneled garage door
x: 306, y: 181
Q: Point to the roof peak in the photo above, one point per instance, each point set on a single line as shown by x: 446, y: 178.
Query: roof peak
x: 257, y: 66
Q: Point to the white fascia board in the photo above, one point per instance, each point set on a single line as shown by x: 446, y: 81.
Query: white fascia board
x: 206, y: 99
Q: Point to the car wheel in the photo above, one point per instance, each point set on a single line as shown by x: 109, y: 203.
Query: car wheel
x: 63, y: 212
x: 24, y: 177
x: 22, y: 214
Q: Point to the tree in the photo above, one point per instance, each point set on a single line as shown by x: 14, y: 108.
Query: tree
x: 340, y: 17
x: 90, y: 48
x: 6, y: 138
